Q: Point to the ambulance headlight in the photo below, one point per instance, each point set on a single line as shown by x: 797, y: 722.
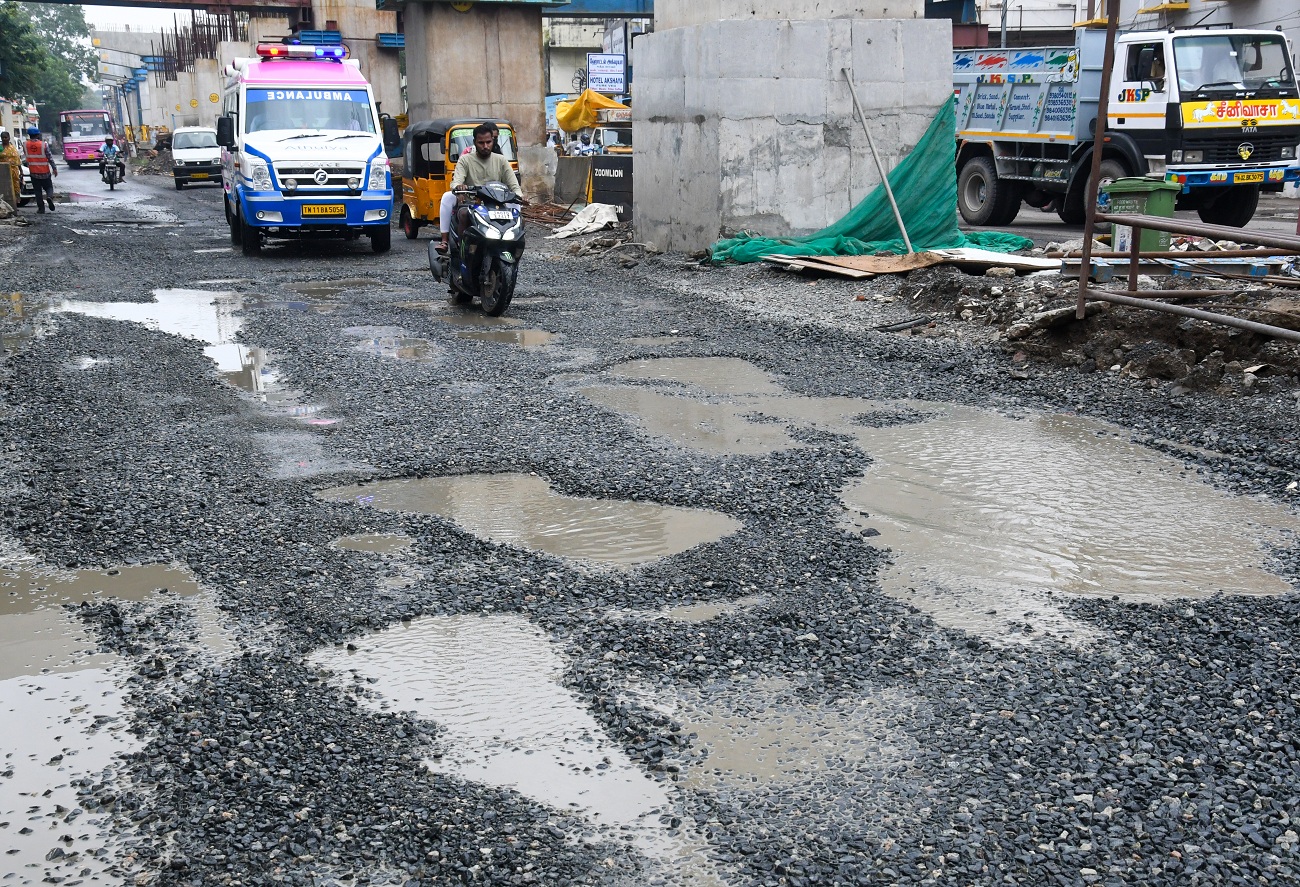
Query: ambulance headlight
x: 378, y: 175
x: 259, y: 176
x: 290, y: 185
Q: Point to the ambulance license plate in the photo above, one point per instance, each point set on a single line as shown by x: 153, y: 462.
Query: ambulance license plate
x: 198, y: 175
x: 324, y: 209
x: 1248, y: 177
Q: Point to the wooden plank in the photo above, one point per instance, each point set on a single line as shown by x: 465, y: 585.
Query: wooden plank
x: 810, y: 263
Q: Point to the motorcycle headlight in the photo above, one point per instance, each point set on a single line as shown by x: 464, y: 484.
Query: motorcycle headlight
x: 378, y: 175
x: 259, y: 176
x: 491, y: 233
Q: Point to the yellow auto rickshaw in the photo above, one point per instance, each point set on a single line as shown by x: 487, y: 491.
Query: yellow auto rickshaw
x: 430, y: 149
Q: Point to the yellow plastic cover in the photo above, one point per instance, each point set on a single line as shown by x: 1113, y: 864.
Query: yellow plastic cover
x: 581, y: 112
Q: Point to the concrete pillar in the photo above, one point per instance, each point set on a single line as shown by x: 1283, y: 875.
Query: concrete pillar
x: 359, y: 23
x: 484, y: 62
x: 731, y: 138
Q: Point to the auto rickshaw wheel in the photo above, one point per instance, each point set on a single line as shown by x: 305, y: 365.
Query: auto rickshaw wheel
x: 410, y: 227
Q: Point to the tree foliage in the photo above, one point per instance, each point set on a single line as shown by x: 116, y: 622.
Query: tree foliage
x: 45, y: 55
x: 21, y: 54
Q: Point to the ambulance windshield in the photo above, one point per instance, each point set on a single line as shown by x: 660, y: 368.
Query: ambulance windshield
x: 298, y: 110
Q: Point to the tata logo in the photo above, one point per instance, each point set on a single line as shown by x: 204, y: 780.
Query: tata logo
x: 1134, y: 95
x: 321, y: 176
x: 1244, y: 150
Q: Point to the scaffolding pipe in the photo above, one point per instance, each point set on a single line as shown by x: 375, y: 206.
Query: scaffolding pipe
x: 1263, y: 329
x: 1098, y: 141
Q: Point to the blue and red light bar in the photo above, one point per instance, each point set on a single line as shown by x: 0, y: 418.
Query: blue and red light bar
x: 334, y: 52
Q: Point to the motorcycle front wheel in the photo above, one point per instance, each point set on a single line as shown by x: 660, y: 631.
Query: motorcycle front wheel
x: 498, y: 288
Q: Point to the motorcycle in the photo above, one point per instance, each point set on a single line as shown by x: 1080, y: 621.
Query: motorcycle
x: 112, y: 175
x: 483, y: 249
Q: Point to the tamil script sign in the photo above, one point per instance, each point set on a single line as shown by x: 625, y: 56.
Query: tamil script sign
x: 607, y: 72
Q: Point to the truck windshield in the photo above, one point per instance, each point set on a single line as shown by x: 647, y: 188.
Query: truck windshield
x: 309, y: 109
x: 1230, y: 62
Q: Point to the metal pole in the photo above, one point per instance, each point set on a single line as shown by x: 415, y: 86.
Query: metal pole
x: 884, y: 176
x: 1098, y: 140
x: 1250, y: 325
x: 1003, y: 44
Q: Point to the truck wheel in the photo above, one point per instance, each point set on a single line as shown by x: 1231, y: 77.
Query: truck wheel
x: 1234, y: 207
x: 381, y: 241
x: 250, y: 238
x: 410, y: 227
x: 982, y: 197
x: 1072, y: 210
x: 236, y: 229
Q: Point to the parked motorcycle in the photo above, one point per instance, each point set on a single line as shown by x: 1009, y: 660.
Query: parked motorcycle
x: 484, y: 249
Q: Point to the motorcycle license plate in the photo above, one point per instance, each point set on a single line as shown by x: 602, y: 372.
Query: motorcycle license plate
x: 1248, y: 177
x: 324, y: 209
x: 198, y: 175
x: 503, y: 215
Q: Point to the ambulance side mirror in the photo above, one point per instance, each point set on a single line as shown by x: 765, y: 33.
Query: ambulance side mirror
x: 226, y: 132
x: 392, y: 136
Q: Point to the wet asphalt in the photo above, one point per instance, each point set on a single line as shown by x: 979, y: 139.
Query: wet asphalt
x: 1166, y: 752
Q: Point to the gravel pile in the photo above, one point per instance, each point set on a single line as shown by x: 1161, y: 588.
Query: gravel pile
x: 1167, y: 754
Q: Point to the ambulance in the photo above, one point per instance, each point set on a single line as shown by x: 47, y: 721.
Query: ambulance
x: 302, y: 148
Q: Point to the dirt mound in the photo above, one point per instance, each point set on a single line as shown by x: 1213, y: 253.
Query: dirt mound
x: 1033, y: 317
x: 154, y: 163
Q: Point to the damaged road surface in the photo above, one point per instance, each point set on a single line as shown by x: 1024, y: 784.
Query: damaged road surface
x: 676, y: 575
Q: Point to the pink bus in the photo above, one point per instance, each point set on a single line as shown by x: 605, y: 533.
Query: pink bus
x: 82, y: 133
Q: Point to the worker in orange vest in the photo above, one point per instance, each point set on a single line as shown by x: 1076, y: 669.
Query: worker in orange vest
x: 41, y: 166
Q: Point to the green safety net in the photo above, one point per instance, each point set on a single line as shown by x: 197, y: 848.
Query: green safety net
x: 925, y: 186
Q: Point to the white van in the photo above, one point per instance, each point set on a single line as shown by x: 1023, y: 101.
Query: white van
x: 196, y: 156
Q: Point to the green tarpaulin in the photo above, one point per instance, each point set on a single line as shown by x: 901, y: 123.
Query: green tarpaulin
x: 925, y: 186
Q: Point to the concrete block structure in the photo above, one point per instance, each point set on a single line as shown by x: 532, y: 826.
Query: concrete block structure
x: 747, y: 123
x: 483, y: 62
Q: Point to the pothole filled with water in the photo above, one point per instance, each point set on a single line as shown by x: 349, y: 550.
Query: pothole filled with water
x: 523, y: 510
x: 67, y: 698
x: 996, y: 521
x: 208, y: 316
x: 493, y: 685
x: 392, y: 343
x: 994, y: 514
x: 521, y: 337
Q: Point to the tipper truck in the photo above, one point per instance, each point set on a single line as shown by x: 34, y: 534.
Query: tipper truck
x: 1216, y: 110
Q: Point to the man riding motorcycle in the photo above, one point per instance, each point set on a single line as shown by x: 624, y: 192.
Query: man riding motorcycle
x: 475, y: 169
x: 111, y: 153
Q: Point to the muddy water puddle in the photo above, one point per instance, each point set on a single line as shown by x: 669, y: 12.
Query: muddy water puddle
x: 392, y: 343
x: 67, y: 698
x: 520, y: 337
x: 1002, y: 512
x: 996, y: 521
x: 523, y: 510
x: 208, y: 316
x: 493, y: 685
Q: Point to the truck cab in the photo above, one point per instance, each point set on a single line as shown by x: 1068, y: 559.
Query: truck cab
x: 302, y: 153
x: 1216, y: 110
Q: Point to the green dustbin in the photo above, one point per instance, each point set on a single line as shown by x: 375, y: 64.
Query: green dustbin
x: 1143, y: 196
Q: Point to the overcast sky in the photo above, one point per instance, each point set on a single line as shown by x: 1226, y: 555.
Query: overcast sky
x: 139, y: 18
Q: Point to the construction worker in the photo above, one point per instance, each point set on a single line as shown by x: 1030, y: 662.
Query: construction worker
x: 40, y: 164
